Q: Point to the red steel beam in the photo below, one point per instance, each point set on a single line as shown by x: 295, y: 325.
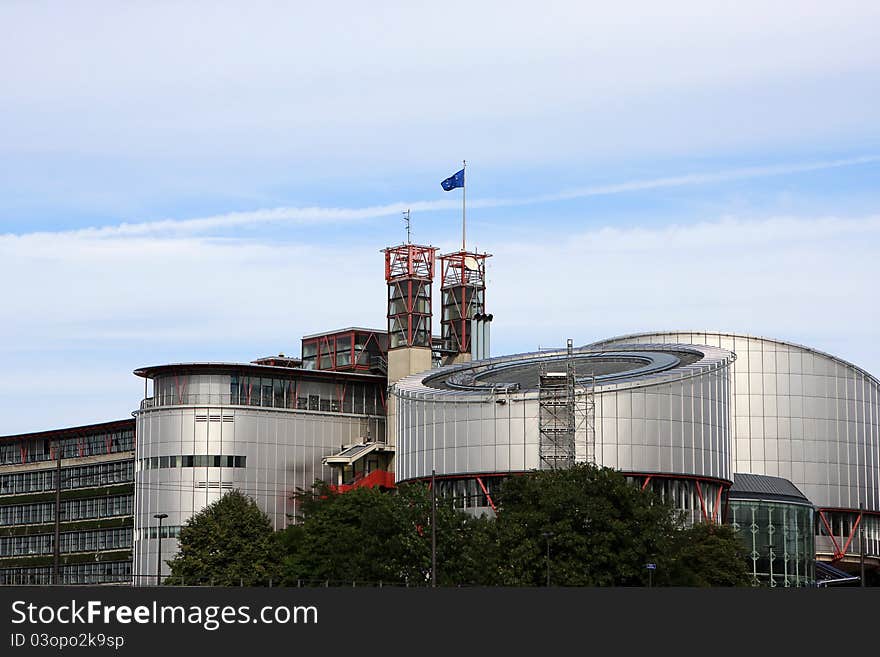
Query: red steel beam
x: 717, y: 509
x: 486, y: 493
x: 830, y: 534
x: 702, y: 501
x: 852, y: 533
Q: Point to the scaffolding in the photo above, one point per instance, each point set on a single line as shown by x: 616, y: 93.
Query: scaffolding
x: 567, y: 417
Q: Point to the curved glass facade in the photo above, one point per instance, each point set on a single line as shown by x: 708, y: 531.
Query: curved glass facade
x: 780, y: 539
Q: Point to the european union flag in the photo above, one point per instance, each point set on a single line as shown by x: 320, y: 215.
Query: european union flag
x: 453, y: 181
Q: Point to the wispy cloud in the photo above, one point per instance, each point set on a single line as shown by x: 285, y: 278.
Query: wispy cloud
x: 140, y: 299
x: 323, y: 215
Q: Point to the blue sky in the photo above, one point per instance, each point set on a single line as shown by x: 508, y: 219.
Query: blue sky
x: 209, y: 181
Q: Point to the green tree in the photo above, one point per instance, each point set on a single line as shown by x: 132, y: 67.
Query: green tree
x: 708, y: 555
x: 228, y: 543
x: 602, y: 530
x: 370, y: 536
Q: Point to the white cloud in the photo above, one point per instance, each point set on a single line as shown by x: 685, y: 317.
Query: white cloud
x: 404, y: 80
x: 147, y: 299
x: 322, y: 215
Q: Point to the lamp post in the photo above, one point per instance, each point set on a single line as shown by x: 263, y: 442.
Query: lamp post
x: 56, y: 545
x: 160, y: 517
x: 547, y: 536
x: 433, y: 528
x: 862, y: 544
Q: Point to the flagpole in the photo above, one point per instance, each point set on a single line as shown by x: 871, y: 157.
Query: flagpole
x: 463, y: 203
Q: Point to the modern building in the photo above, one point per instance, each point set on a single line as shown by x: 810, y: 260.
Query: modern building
x: 207, y: 428
x: 657, y: 412
x: 92, y: 499
x: 676, y: 411
x: 810, y: 418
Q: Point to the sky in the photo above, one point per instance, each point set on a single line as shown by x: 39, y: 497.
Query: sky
x: 211, y: 181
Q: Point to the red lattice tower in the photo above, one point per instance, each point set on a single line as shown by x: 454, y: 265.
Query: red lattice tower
x: 409, y: 273
x: 463, y: 295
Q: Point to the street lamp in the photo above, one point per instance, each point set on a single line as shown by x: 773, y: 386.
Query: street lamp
x: 160, y: 517
x: 651, y: 567
x: 862, y: 544
x: 547, y: 536
x: 433, y: 529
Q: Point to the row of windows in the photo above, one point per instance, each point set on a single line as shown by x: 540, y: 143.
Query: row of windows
x: 241, y: 390
x: 467, y: 493
x: 193, y: 461
x: 40, y: 512
x: 79, y: 541
x: 43, y: 449
x: 168, y: 531
x: 82, y: 476
x: 81, y: 573
x: 337, y: 352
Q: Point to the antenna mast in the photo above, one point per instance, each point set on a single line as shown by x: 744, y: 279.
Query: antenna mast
x: 406, y: 220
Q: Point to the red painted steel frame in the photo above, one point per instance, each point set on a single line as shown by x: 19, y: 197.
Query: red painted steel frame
x: 702, y: 501
x: 326, y: 345
x: 409, y: 269
x: 840, y: 552
x: 456, y: 274
x: 486, y: 493
x: 721, y: 483
x: 716, y: 512
x: 409, y: 261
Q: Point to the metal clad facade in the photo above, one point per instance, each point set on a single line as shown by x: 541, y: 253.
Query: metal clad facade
x: 189, y: 455
x: 798, y: 414
x: 673, y: 421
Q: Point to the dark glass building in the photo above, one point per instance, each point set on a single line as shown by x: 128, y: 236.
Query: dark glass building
x: 776, y: 522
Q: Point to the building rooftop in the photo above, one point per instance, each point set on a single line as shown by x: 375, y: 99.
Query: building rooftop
x: 68, y: 432
x: 356, y: 329
x: 525, y: 373
x: 761, y: 487
x: 153, y: 371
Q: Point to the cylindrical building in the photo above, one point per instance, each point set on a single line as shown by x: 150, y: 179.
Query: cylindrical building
x: 210, y: 428
x: 657, y: 412
x: 808, y: 417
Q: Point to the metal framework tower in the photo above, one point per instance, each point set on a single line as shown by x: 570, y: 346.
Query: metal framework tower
x: 463, y: 295
x: 409, y: 273
x: 567, y: 413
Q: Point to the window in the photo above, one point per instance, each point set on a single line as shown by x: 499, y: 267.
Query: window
x: 195, y: 461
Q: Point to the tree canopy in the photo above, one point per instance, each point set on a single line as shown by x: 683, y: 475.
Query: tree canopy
x: 370, y: 536
x: 708, y: 555
x: 229, y: 542
x: 600, y: 531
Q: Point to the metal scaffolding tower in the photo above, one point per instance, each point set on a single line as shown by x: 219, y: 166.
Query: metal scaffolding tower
x: 567, y: 418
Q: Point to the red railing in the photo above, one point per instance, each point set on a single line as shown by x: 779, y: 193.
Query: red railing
x: 377, y: 478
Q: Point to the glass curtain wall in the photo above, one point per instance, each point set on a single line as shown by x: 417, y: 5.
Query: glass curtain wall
x: 780, y: 539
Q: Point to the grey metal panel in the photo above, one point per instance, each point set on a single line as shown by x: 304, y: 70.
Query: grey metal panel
x: 641, y: 421
x: 283, y: 449
x: 800, y: 411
